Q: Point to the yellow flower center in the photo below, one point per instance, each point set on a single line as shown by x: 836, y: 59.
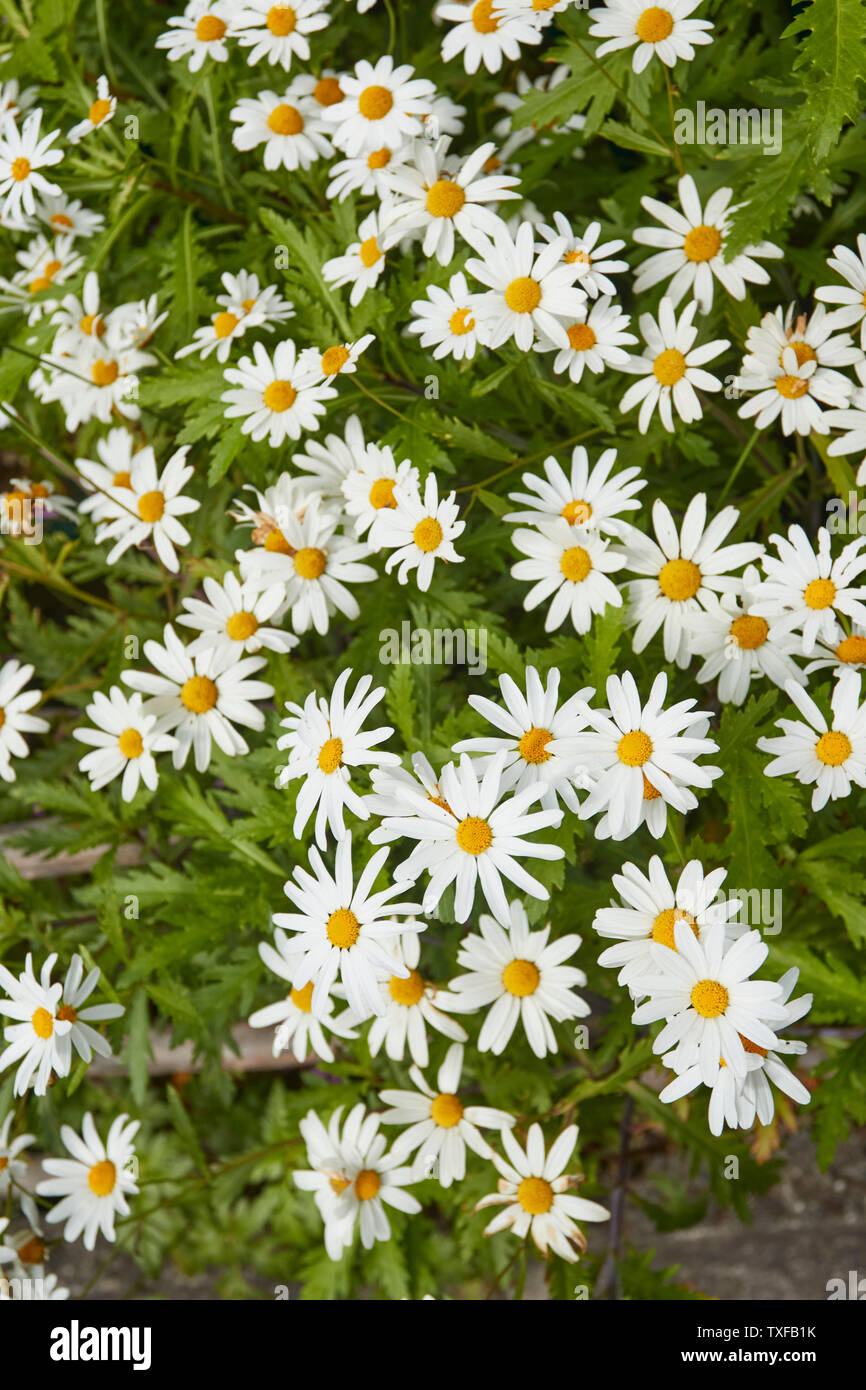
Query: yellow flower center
x: 4, y: 1163
x: 281, y: 20
x: 535, y: 1195
x: 819, y: 593
x: 247, y: 304
x: 242, y: 625
x: 310, y: 562
x: 61, y: 220
x: 367, y: 1184
x: 749, y: 1046
x: 852, y: 650
x: 406, y: 992
x: 375, y: 102
x: 151, y: 506
x: 224, y: 324
x: 802, y: 351
x: 41, y: 282
x: 338, y: 1185
x: 523, y: 295
x: 533, y: 745
x: 680, y: 579
x: 791, y: 387
x: 280, y: 396
x: 654, y: 25
x: 99, y: 110
x: 343, y: 928
x: 446, y: 1110
x: 833, y: 749
x: 575, y: 563
x: 285, y: 120
x: 749, y: 632
x: 334, y: 359
x: 382, y: 494
x: 669, y: 367
x: 102, y: 1178
x: 461, y: 322
x: 131, y: 743
x: 492, y: 164
x: 303, y: 998
x: 276, y: 543
x: 199, y: 694
x: 67, y: 1013
x: 91, y: 324
x: 474, y: 835
x: 577, y: 513
x: 521, y: 977
x: 20, y: 169
x: 122, y: 480
x: 330, y: 755
x: 32, y: 1252
x: 581, y: 337
x: 42, y: 1023
x: 370, y: 252
x: 635, y: 748
x: 104, y: 373
x: 702, y: 243
x: 709, y: 998
x: 209, y: 28
x: 377, y: 159
x: 483, y: 19
x: 577, y: 257
x: 427, y: 535
x: 445, y: 198
x: 663, y: 926
x: 327, y: 91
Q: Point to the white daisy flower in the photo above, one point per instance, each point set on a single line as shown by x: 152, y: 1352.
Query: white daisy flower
x: 201, y: 699
x: 569, y: 565
x: 365, y: 173
x: 235, y: 617
x: 341, y: 928
x: 531, y: 722
x: 839, y: 656
x: 313, y: 564
x: 331, y: 461
x: 325, y: 739
x: 440, y: 195
x: 418, y: 531
x: 78, y: 319
x: 587, y: 497
x: 410, y: 1005
x: 22, y: 154
x: 286, y: 498
x: 534, y: 1194
x: 444, y: 320
x: 101, y: 383
x: 369, y: 486
x: 632, y: 745
x: 737, y: 646
x: 810, y: 593
x: 364, y: 260
x: 693, y: 245
x: 595, y: 341
x: 791, y: 366
x: 852, y: 420
x: 439, y: 1124
x: 725, y: 1091
x: 133, y: 325
x: 290, y: 127
x: 594, y: 266
x: 279, y: 31
x: 28, y: 502
x: 297, y: 1031
x: 830, y: 755
x: 361, y: 1176
x: 95, y: 1182
x: 391, y: 783
x: 711, y: 1005
x: 16, y: 100
x: 147, y: 510
x: 244, y: 306
x: 852, y: 267
x: 651, y: 908
x: 8, y: 1253
x: 528, y: 293
x: 124, y: 743
x: 756, y: 1096
x: 114, y: 470
x: 66, y: 215
x: 200, y: 32
x: 15, y: 702
x: 34, y: 1039
x: 483, y: 34
x: 478, y: 835
x: 339, y: 359
x: 666, y: 32
x: 77, y: 989
x: 671, y: 368
x: 382, y: 106
x: 13, y: 1167
x: 45, y: 265
x: 277, y: 398
x: 324, y: 89
x: 684, y: 571
x: 519, y: 977
x: 101, y: 111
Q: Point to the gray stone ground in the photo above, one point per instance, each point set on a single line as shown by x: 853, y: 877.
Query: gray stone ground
x: 809, y: 1228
